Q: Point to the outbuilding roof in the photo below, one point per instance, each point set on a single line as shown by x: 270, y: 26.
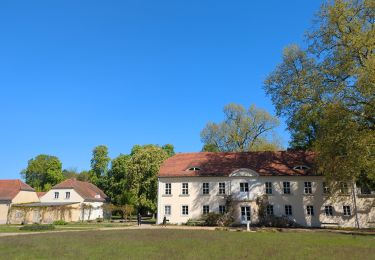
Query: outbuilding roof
x: 281, y: 163
x: 87, y: 190
x: 10, y: 188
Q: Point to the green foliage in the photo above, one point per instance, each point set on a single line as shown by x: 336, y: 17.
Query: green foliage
x: 326, y: 92
x: 169, y: 149
x: 37, y: 227
x: 345, y: 149
x: 210, y: 148
x: 143, y: 168
x: 60, y: 222
x: 99, y: 162
x: 241, y: 130
x: 43, y: 172
x: 132, y: 179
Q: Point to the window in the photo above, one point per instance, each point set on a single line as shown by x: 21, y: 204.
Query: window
x: 326, y: 188
x: 344, y: 188
x: 268, y: 187
x: 245, y: 214
x: 167, y: 210
x: 288, y: 210
x: 269, y: 210
x: 221, y: 209
x: 244, y: 187
x: 286, y: 186
x: 56, y: 195
x: 67, y: 195
x: 194, y: 169
x: 308, y: 187
x: 346, y: 210
x: 185, y: 188
x: 185, y: 210
x: 206, y: 209
x: 328, y: 210
x: 206, y: 188
x: 221, y: 188
x: 168, y: 188
x: 310, y: 210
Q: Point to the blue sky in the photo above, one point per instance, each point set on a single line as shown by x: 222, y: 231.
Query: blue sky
x: 76, y: 74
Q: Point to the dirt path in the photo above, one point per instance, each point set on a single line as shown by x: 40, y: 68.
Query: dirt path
x: 144, y: 226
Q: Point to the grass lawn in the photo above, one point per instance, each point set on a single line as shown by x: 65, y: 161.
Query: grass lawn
x: 187, y: 244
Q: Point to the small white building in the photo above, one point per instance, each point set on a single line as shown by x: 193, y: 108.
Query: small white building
x: 193, y: 184
x: 84, y: 198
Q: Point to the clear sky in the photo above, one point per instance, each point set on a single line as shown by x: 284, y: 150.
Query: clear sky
x: 76, y: 74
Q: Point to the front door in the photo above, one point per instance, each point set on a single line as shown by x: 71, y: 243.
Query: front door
x: 36, y: 217
x: 245, y: 214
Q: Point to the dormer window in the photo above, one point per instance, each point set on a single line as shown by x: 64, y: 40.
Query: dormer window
x: 194, y: 168
x: 301, y: 167
x: 97, y: 196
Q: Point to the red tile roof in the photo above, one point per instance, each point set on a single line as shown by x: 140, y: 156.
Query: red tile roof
x: 40, y: 193
x: 10, y: 188
x: 86, y: 190
x: 223, y: 164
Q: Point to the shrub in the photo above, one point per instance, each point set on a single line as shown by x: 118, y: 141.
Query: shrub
x: 99, y: 220
x: 195, y: 222
x: 275, y: 221
x: 60, y: 222
x: 212, y: 219
x: 37, y: 227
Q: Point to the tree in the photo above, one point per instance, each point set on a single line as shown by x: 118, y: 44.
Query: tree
x: 143, y: 168
x: 337, y: 67
x: 99, y: 163
x: 242, y: 130
x: 43, y: 172
x: 210, y: 148
x: 169, y: 149
x: 70, y: 173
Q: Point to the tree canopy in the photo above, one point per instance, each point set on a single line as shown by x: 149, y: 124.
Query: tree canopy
x: 43, y: 172
x: 326, y: 91
x: 242, y: 130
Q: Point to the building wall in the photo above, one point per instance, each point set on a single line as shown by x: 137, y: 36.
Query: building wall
x: 50, y: 196
x: 25, y: 197
x: 297, y: 199
x: 3, y: 212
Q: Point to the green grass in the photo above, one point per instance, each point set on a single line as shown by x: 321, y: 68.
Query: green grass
x: 187, y: 244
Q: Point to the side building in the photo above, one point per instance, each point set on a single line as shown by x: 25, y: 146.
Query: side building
x: 70, y: 200
x: 193, y: 184
x: 13, y: 192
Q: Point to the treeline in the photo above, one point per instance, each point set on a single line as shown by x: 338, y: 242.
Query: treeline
x: 128, y: 179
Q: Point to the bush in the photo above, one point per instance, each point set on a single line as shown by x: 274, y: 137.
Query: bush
x: 37, y: 227
x: 195, y: 222
x: 275, y: 221
x: 60, y: 222
x: 212, y: 219
x: 99, y: 220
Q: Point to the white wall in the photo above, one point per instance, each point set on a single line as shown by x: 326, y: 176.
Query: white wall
x: 50, y: 196
x: 297, y: 199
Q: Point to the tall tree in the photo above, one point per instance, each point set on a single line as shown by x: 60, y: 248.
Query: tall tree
x: 241, y: 130
x: 327, y: 90
x: 143, y: 169
x: 43, y: 172
x: 99, y: 163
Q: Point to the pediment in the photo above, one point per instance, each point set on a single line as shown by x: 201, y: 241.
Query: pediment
x: 244, y: 172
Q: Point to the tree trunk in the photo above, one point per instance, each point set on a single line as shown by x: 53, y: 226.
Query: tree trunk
x: 355, y: 204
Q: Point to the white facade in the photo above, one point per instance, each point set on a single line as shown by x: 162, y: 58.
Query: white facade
x: 307, y: 204
x: 89, y: 210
